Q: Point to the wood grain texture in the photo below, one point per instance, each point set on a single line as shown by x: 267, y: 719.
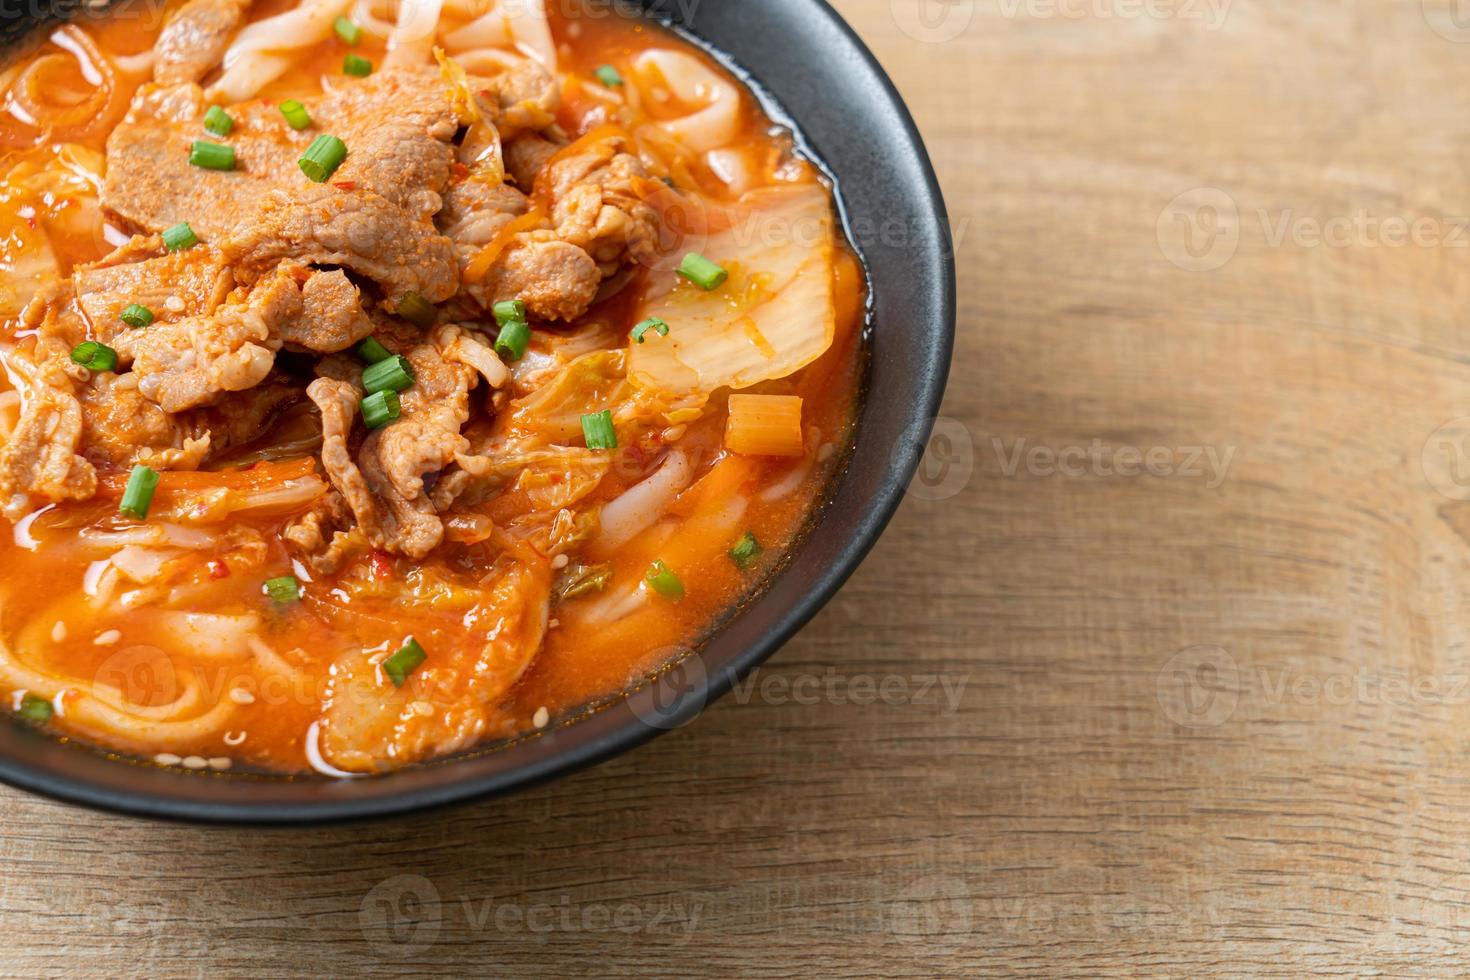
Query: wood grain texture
x: 1212, y: 718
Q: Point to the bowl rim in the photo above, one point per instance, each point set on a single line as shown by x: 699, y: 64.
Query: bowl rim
x: 859, y: 540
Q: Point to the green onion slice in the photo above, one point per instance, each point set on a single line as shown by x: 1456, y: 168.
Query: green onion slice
x: 138, y: 496
x: 94, y: 356
x: 508, y: 310
x: 404, y: 661
x: 652, y: 323
x: 136, y: 315
x: 218, y: 121
x: 380, y: 408
x: 322, y: 157
x: 296, y: 115
x: 746, y: 551
x: 36, y: 710
x: 661, y: 579
x: 608, y: 75
x: 180, y: 236
x: 356, y: 66
x: 372, y: 351
x: 598, y: 428
x: 417, y: 310
x: 513, y: 339
x: 212, y: 156
x: 702, y: 272
x: 580, y: 580
x: 349, y: 32
x: 284, y: 589
x: 391, y: 374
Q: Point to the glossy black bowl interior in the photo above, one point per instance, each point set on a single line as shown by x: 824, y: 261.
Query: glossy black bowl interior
x: 801, y: 56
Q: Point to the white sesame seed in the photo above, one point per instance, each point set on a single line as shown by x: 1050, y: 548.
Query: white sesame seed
x: 167, y: 759
x: 560, y: 561
x: 195, y: 762
x: 174, y: 304
x: 541, y: 717
x: 108, y: 638
x: 233, y: 739
x: 220, y: 762
x: 58, y: 632
x: 423, y: 708
x: 241, y: 696
x: 552, y: 624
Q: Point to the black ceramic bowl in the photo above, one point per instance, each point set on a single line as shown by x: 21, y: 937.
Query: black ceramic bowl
x: 817, y: 75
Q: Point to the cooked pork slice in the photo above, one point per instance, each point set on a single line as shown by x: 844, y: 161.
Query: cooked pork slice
x: 520, y: 100
x: 397, y: 127
x: 596, y: 204
x: 527, y: 156
x: 171, y: 285
x: 39, y: 458
x: 193, y: 361
x: 194, y: 41
x: 426, y: 438
x: 475, y: 211
x: 311, y: 310
x: 386, y: 518
x: 355, y: 229
x: 555, y: 279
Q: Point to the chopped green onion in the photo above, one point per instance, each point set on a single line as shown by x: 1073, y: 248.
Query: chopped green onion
x: 702, y: 272
x: 390, y: 374
x: 661, y: 579
x: 180, y: 236
x: 136, y: 315
x: 380, y: 408
x: 138, y: 496
x: 403, y: 662
x: 296, y: 115
x: 218, y: 121
x: 745, y: 552
x: 356, y: 66
x: 514, y: 337
x: 508, y: 310
x: 36, y: 710
x: 652, y: 323
x: 417, y: 310
x: 322, y: 157
x: 608, y: 75
x: 284, y: 589
x: 94, y: 356
x: 372, y: 351
x: 212, y: 156
x: 598, y: 428
x: 349, y: 32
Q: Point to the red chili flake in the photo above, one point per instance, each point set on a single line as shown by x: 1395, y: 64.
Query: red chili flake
x: 218, y: 569
x: 381, y: 564
x: 458, y: 170
x: 33, y: 222
x: 486, y: 94
x: 345, y: 185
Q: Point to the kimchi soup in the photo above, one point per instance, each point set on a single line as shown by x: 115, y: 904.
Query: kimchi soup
x: 383, y: 378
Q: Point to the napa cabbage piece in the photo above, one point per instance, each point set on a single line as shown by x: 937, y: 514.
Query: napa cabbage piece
x: 774, y: 315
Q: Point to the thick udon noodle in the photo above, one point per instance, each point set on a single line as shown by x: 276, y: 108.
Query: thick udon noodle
x: 693, y: 119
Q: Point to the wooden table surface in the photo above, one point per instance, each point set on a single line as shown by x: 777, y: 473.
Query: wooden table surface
x: 1164, y: 667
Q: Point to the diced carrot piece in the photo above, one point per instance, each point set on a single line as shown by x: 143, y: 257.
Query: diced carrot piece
x: 764, y: 425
